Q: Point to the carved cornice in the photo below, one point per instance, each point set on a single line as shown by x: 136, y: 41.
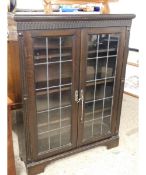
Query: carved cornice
x: 44, y: 22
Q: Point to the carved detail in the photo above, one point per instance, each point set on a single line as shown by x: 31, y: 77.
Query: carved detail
x: 72, y: 24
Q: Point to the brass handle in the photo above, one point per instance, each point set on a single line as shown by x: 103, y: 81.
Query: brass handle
x: 82, y: 99
x: 77, y: 99
x: 76, y: 96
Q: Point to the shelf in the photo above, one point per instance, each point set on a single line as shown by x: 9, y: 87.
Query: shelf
x: 102, y: 50
x: 47, y: 102
x: 99, y: 81
x: 53, y: 90
x: 53, y: 109
x: 52, y: 46
x: 54, y: 122
x: 97, y: 111
x: 54, y: 131
x: 52, y: 62
x: 51, y: 56
x: 54, y: 82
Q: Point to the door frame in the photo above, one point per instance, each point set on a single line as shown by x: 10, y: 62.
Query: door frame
x: 30, y: 117
x: 118, y: 74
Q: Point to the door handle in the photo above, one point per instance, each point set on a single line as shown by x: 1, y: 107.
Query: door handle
x: 76, y: 96
x: 82, y: 101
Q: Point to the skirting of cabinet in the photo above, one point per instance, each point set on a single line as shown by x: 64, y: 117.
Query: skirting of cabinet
x: 38, y: 167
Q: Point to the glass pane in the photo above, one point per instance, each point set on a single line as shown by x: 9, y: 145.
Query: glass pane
x: 109, y: 87
x: 99, y: 91
x: 66, y: 72
x: 89, y: 93
x: 43, y: 120
x: 65, y: 135
x: 66, y: 116
x: 54, y: 139
x: 54, y: 98
x: 66, y: 97
x: 107, y: 106
x: 53, y: 49
x: 40, y: 76
x: 91, y: 67
x: 111, y: 66
x: 97, y: 127
x: 94, y: 92
x: 98, y: 109
x: 106, y: 125
x: 53, y: 74
x: 101, y: 68
x: 54, y: 119
x: 43, y: 142
x: 87, y: 130
x: 88, y: 111
x: 100, y: 72
x: 103, y: 45
x: 53, y: 83
x: 48, y: 49
x: 92, y: 46
x: 39, y: 49
x: 41, y: 100
x: 113, y: 44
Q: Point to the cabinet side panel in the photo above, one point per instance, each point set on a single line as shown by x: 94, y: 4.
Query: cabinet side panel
x: 25, y: 121
x: 122, y: 78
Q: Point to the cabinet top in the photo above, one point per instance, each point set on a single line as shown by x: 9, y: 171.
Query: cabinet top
x: 68, y: 16
x: 40, y: 21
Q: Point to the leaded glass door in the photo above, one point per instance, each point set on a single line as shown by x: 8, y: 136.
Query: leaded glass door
x: 99, y: 71
x: 54, y: 81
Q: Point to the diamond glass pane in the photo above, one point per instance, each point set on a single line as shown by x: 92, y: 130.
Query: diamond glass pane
x: 100, y: 80
x: 53, y: 84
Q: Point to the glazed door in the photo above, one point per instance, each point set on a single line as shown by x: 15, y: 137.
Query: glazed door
x: 52, y: 74
x: 100, y: 79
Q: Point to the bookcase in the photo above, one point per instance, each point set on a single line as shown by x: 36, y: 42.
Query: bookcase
x: 72, y: 73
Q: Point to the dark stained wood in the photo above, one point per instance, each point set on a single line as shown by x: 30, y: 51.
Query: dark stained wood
x: 14, y: 83
x: 84, y: 49
x: 29, y: 96
x: 14, y: 80
x: 122, y: 78
x: 83, y: 67
x: 31, y: 116
x: 24, y: 17
x: 113, y: 144
x: 77, y: 26
x: 38, y: 167
x: 11, y: 160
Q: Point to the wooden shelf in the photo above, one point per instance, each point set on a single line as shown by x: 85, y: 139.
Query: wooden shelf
x: 53, y: 82
x: 51, y: 56
x: 97, y: 111
x: 54, y: 122
x: 99, y: 81
x: 53, y: 90
x: 101, y: 51
x: 54, y: 132
x: 52, y: 46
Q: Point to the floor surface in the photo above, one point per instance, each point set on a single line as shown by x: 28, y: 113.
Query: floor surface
x: 122, y: 160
